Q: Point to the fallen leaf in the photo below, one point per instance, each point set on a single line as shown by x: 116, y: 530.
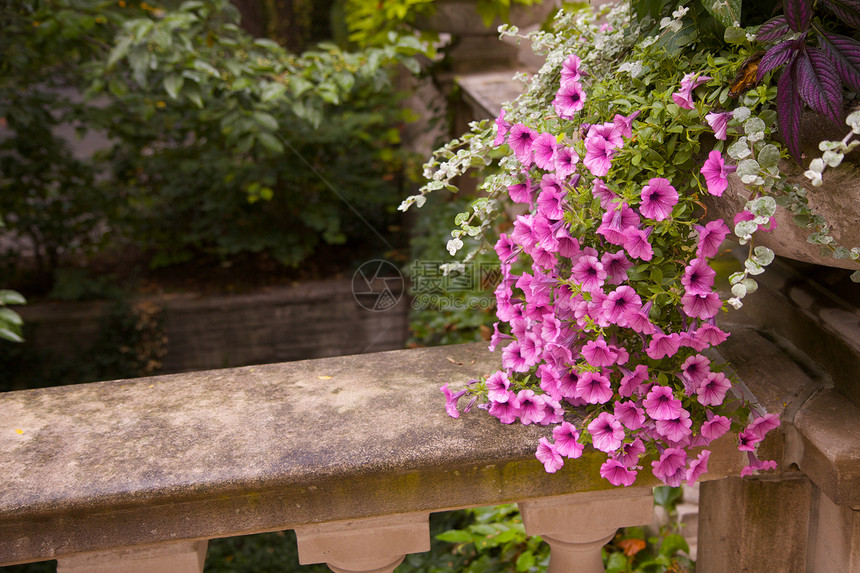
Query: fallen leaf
x: 452, y: 361
x: 324, y: 377
x: 631, y: 546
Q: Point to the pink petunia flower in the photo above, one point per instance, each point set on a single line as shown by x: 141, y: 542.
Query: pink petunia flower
x: 532, y: 407
x: 676, y: 429
x: 713, y: 389
x: 658, y: 198
x: 548, y: 455
x: 624, y: 124
x: 711, y: 335
x: 502, y: 129
x: 629, y: 414
x: 630, y: 453
x: 698, y: 467
x: 711, y: 236
x: 716, y: 173
x: 719, y: 122
x: 714, y: 428
x: 521, y: 192
x: 698, y: 277
x: 589, y: 273
x: 616, y: 265
x: 569, y: 99
x: 451, y: 400
x: 631, y: 381
x: 701, y: 306
x: 604, y: 193
x: 497, y: 385
x: 684, y: 96
x: 661, y: 404
x: 608, y: 131
x: 567, y: 440
x: 598, y: 155
x: 597, y: 353
x: 506, y: 412
x: 620, y: 303
x: 606, y: 432
x: 594, y: 388
x: 570, y: 69
x: 671, y: 462
x: 616, y: 473
x: 543, y: 148
x: 636, y: 244
x: 663, y: 345
x: 694, y: 371
x: 521, y: 139
x: 565, y: 160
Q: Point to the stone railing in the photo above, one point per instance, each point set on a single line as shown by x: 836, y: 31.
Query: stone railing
x: 355, y: 452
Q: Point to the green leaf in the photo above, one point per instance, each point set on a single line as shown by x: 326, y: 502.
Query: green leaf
x: 7, y: 334
x: 768, y: 156
x: 666, y: 496
x: 9, y: 316
x: 726, y: 12
x: 270, y: 142
x: 616, y: 563
x: 11, y: 297
x: 173, y: 84
x: 672, y: 544
x: 455, y: 536
x: 525, y: 561
x: 266, y: 120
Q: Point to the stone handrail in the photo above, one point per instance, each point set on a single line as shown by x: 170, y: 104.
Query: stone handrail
x: 339, y: 449
x: 353, y: 453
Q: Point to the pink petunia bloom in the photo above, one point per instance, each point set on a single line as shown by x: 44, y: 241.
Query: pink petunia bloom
x: 636, y: 244
x: 451, y: 400
x: 565, y: 160
x: 567, y: 246
x: 598, y: 155
x: 716, y: 173
x: 701, y: 306
x: 663, y: 345
x: 514, y: 359
x: 532, y: 407
x: 597, y: 353
x: 616, y: 265
x: 661, y: 404
x: 616, y: 473
x: 694, y: 371
x: 713, y: 390
x: 506, y: 249
x: 594, y: 388
x: 764, y: 424
x: 624, y: 123
x: 521, y: 192
x: 658, y: 198
x: 550, y: 204
x: 711, y: 236
x: 631, y: 381
x: 616, y: 223
x: 698, y: 467
x: 606, y: 432
x: 569, y: 99
x: 604, y: 193
x: 757, y: 465
x: 620, y: 303
x: 671, y: 462
x: 630, y: 453
x: 698, y: 277
x: 629, y: 414
x: 719, y: 122
x: 711, y: 335
x: 566, y: 440
x: 715, y: 427
x: 521, y: 139
x: 570, y: 69
x: 497, y: 386
x: 543, y: 148
x: 640, y: 321
x: 588, y: 273
x: 548, y: 455
x: 684, y: 96
x: 506, y: 412
x: 523, y: 233
x: 497, y: 337
x: 608, y: 131
x: 676, y: 429
x: 502, y: 129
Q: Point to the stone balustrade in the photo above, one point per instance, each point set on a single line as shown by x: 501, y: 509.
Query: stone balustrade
x: 354, y: 452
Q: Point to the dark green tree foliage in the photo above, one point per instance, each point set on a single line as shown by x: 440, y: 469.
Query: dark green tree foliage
x: 220, y: 143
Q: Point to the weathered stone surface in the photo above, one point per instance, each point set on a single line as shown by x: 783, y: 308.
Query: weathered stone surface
x: 837, y: 541
x: 754, y: 524
x: 234, y: 451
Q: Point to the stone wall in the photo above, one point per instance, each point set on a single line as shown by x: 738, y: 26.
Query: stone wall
x: 309, y: 320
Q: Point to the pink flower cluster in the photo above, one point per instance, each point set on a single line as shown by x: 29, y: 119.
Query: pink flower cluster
x: 578, y: 325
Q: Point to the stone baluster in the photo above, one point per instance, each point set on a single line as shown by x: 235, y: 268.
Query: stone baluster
x: 576, y: 526
x: 182, y: 557
x: 376, y: 545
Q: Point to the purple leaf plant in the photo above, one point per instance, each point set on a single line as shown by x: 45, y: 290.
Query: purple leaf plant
x: 816, y: 63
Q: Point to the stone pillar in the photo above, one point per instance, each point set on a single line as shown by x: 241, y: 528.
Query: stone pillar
x: 755, y: 524
x: 836, y: 543
x: 376, y: 545
x: 577, y: 526
x: 182, y: 557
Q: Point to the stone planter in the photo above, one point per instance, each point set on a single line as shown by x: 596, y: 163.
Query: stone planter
x: 838, y: 200
x: 475, y: 46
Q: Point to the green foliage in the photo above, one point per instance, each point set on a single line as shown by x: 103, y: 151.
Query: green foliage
x: 10, y: 321
x: 219, y: 143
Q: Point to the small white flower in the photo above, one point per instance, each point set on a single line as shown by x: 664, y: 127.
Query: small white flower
x: 454, y: 245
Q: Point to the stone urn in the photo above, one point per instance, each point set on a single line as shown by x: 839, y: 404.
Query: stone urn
x: 476, y: 47
x: 837, y: 200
